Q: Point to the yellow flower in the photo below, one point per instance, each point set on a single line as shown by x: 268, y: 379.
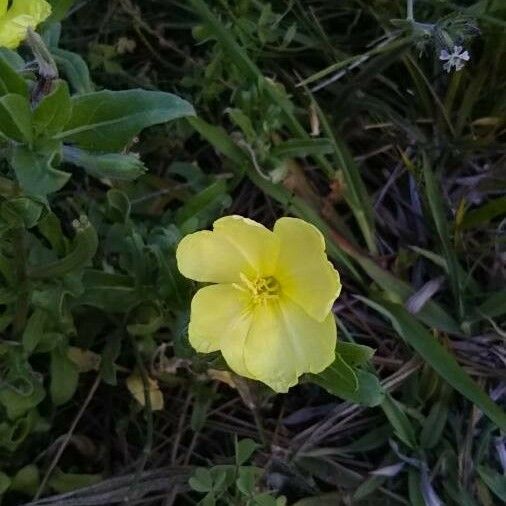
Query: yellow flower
x: 269, y: 311
x: 16, y: 19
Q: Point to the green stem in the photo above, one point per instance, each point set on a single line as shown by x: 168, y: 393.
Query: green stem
x: 410, y: 11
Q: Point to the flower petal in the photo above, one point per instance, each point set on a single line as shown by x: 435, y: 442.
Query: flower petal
x: 38, y: 10
x: 15, y: 22
x: 284, y: 342
x: 13, y: 31
x: 303, y: 271
x: 257, y: 244
x: 217, y: 313
x: 444, y: 55
x: 237, y: 245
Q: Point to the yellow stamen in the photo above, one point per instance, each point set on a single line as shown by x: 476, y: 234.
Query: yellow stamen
x: 260, y: 289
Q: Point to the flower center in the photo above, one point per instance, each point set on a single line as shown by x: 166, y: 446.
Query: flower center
x: 260, y: 289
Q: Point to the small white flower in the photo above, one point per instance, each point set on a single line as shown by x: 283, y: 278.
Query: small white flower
x: 456, y: 59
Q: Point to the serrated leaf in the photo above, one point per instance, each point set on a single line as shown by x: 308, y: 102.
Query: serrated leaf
x: 109, y: 120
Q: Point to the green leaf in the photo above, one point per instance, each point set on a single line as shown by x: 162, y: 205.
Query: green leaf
x: 59, y: 9
x: 83, y: 250
x: 13, y: 434
x: 118, y: 205
x: 64, y: 376
x: 34, y: 330
x: 302, y: 147
x: 21, y: 212
x: 339, y: 375
x: 328, y: 499
x: 15, y: 118
x: 247, y: 479
x: 201, y: 481
x: 110, y: 292
x: 75, y: 69
x: 440, y: 359
x: 203, y: 207
x: 5, y: 483
x: 244, y: 449
x: 126, y: 167
x: 109, y: 120
x: 111, y: 352
x: 349, y: 383
x: 54, y: 111
x: 26, y: 480
x: 35, y: 172
x: 495, y: 482
x: 432, y: 314
x: 487, y: 212
x: 494, y: 306
x: 434, y: 424
x: 10, y: 80
x: 20, y: 391
x: 437, y: 207
x: 67, y: 482
x: 399, y: 421
x: 354, y: 354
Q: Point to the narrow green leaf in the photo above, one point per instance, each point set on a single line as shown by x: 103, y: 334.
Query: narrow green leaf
x: 487, y: 212
x: 432, y: 314
x: 302, y: 147
x: 439, y: 358
x: 436, y: 204
x: 399, y: 421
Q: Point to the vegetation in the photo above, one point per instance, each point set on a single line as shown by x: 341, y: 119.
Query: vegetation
x: 130, y: 124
